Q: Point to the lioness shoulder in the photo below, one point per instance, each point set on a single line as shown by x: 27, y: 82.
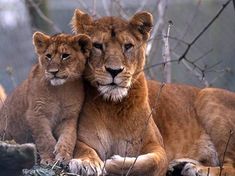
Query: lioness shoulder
x: 45, y: 107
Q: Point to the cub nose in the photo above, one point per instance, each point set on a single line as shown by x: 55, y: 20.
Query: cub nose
x: 53, y: 71
x: 114, y: 72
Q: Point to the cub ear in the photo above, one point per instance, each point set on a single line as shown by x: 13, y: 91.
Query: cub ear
x: 40, y: 42
x: 143, y: 23
x: 81, y: 21
x: 83, y: 43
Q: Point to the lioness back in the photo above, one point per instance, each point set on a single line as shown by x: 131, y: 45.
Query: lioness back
x: 45, y: 107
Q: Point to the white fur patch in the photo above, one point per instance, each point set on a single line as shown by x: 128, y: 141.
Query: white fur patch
x: 78, y: 166
x: 114, y: 93
x: 57, y: 81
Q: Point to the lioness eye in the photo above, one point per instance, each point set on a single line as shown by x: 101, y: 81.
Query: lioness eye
x: 48, y: 57
x: 65, y: 56
x: 98, y: 45
x: 128, y: 46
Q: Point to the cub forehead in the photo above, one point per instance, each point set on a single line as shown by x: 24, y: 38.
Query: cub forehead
x: 60, y: 48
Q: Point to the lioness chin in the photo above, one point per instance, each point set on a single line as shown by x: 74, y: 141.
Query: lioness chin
x: 45, y: 107
x: 112, y: 118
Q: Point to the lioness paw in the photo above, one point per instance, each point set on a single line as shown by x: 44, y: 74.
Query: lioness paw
x: 86, y: 167
x: 184, y: 167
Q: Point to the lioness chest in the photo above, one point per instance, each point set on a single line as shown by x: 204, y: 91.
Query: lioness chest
x: 111, y: 129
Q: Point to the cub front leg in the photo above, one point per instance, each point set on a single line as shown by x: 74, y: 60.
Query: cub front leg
x: 66, y: 134
x: 86, y: 161
x: 42, y: 136
x: 152, y: 162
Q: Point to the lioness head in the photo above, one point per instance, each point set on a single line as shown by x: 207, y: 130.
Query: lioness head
x: 62, y: 56
x: 118, y: 53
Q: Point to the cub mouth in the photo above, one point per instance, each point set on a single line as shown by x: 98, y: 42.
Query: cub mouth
x: 56, y: 81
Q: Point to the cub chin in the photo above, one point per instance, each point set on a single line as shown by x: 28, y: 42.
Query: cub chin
x: 45, y: 107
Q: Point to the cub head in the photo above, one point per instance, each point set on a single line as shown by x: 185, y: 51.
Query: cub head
x: 118, y: 52
x: 62, y: 57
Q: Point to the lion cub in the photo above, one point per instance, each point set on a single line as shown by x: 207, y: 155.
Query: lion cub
x: 45, y: 107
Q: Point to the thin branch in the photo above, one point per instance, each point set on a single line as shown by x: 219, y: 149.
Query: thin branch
x: 204, y: 30
x: 234, y: 4
x: 94, y: 8
x: 188, y: 24
x: 167, y: 56
x: 86, y: 8
x: 203, y: 56
x: 106, y: 8
x: 146, y: 125
x: 225, y: 150
x: 44, y: 17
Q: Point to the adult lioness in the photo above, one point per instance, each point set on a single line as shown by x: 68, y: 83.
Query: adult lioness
x: 175, y: 114
x: 116, y: 117
x: 45, y: 107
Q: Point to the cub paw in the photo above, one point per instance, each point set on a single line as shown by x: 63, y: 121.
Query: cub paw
x: 46, y: 161
x: 61, y: 154
x: 184, y: 167
x: 87, y: 167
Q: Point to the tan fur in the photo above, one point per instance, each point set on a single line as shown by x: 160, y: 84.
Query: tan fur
x: 45, y: 107
x: 116, y: 123
x: 2, y: 95
x: 186, y: 136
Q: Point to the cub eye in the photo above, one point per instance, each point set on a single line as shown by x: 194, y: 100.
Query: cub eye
x: 128, y: 46
x: 98, y: 45
x: 65, y: 56
x: 48, y: 57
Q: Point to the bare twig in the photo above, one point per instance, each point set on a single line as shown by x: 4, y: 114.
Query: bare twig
x: 44, y: 17
x: 166, y: 55
x: 86, y: 8
x: 225, y: 150
x: 125, y: 157
x: 10, y: 72
x: 145, y: 126
x: 234, y: 4
x: 162, y: 5
x: 106, y: 8
x: 203, y: 30
x: 94, y: 8
x: 188, y: 24
x: 208, y: 171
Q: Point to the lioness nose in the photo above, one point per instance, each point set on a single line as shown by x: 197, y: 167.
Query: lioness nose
x: 53, y: 71
x: 114, y: 72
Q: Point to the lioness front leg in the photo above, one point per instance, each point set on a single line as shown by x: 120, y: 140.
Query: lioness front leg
x: 42, y: 136
x: 152, y: 162
x: 86, y: 161
x: 66, y: 134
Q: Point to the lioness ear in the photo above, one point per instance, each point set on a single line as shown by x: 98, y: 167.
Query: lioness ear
x: 83, y: 43
x: 143, y: 22
x: 80, y: 21
x: 40, y: 41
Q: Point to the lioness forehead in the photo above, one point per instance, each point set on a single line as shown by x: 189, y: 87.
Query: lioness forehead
x: 110, y: 27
